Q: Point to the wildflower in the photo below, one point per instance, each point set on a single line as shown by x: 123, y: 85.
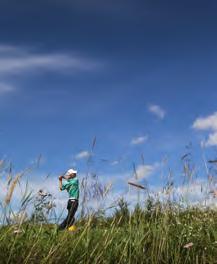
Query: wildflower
x: 214, y: 193
x: 189, y: 245
x: 17, y: 231
x: 50, y: 205
x: 42, y: 193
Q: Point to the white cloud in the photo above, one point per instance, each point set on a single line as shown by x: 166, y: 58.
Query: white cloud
x: 115, y: 162
x: 83, y: 155
x: 15, y: 60
x: 194, y: 193
x: 208, y: 123
x: 139, y: 140
x: 212, y: 140
x: 144, y: 171
x: 157, y: 111
x: 192, y: 189
x: 6, y: 88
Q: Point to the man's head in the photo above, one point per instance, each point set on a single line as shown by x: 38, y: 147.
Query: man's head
x: 71, y: 173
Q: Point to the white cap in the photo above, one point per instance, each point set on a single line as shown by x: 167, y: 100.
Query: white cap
x: 71, y: 171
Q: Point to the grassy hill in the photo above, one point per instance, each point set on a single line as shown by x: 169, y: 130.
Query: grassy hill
x: 149, y: 235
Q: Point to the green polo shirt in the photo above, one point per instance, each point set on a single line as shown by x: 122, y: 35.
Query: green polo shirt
x: 72, y: 187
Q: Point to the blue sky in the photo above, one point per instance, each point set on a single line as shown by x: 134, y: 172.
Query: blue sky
x: 136, y: 75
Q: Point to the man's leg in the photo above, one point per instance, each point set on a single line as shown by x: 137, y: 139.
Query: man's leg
x: 72, y: 208
x: 72, y: 211
x: 64, y: 224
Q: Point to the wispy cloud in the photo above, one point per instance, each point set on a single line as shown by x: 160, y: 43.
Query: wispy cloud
x: 115, y: 162
x: 83, y: 155
x: 144, y: 171
x: 208, y: 123
x: 157, y: 111
x: 6, y: 88
x: 16, y: 60
x: 139, y: 140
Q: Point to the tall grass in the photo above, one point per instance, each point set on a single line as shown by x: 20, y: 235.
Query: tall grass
x: 171, y: 236
x: 154, y: 231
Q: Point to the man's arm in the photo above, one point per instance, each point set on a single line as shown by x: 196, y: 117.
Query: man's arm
x: 60, y: 183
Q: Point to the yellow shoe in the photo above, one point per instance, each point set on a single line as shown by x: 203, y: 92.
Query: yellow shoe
x: 72, y: 228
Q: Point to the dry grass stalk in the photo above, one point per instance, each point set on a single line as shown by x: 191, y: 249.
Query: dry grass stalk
x: 11, y: 189
x: 137, y: 185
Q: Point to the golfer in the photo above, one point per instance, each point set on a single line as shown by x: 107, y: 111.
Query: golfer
x: 71, y: 185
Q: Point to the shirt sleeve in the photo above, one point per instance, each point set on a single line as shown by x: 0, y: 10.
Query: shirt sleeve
x: 65, y: 185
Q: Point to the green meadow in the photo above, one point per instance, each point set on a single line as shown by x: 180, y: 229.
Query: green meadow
x: 152, y: 231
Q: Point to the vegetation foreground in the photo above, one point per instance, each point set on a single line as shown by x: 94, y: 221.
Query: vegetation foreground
x: 155, y: 231
x: 152, y: 235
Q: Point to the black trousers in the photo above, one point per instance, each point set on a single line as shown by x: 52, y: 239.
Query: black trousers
x: 72, y: 207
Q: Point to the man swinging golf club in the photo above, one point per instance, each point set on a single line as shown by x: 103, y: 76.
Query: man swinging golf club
x: 71, y: 185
